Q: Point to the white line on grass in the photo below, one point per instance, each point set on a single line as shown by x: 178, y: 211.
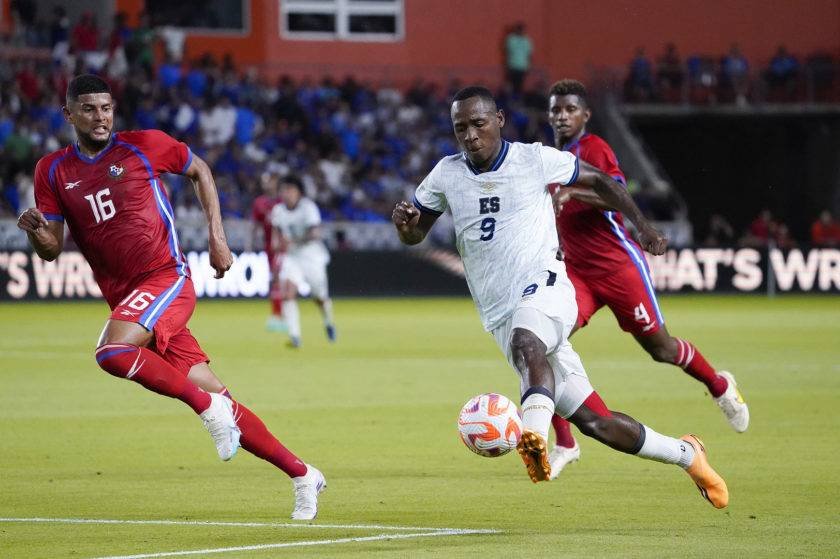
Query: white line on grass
x: 248, y: 524
x: 300, y: 544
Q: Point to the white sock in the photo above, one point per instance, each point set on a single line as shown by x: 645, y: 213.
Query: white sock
x: 537, y: 410
x: 327, y: 312
x: 665, y: 449
x: 292, y: 315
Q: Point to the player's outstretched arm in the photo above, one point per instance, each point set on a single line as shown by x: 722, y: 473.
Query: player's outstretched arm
x: 617, y: 197
x: 585, y: 195
x: 46, y: 237
x: 412, y: 225
x: 205, y: 188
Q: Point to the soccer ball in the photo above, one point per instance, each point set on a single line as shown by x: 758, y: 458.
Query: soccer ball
x: 489, y: 425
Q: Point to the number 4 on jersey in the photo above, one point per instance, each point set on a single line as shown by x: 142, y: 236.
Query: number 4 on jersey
x: 641, y: 314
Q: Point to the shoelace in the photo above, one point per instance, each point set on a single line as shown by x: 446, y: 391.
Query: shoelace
x: 728, y: 405
x: 302, y: 502
x: 216, y: 427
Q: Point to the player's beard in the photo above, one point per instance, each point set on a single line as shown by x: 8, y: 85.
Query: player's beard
x: 93, y: 144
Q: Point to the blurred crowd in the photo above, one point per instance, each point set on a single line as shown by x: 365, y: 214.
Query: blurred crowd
x: 768, y: 230
x: 357, y: 147
x: 732, y: 78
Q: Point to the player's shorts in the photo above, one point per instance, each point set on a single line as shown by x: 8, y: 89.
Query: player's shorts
x: 547, y: 308
x: 628, y: 293
x: 163, y: 304
x: 308, y: 275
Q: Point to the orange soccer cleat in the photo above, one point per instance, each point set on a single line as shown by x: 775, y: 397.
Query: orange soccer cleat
x: 532, y: 449
x: 708, y: 481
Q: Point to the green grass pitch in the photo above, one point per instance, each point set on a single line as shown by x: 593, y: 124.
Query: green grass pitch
x: 376, y: 412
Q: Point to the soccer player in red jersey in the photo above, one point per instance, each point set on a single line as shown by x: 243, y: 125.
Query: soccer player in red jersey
x: 608, y: 268
x: 107, y: 188
x: 261, y: 219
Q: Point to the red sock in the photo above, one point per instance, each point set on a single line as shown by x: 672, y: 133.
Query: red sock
x: 150, y: 370
x: 596, y: 404
x: 276, y: 302
x: 562, y: 432
x: 257, y: 440
x: 693, y: 363
x: 275, y: 294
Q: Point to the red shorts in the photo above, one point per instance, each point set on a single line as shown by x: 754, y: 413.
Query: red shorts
x: 163, y: 304
x: 629, y: 294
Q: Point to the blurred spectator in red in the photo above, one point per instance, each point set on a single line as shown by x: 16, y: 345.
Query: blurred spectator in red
x: 639, y: 84
x: 781, y: 76
x: 761, y: 230
x: 28, y: 82
x: 734, y: 76
x: 825, y: 231
x: 670, y: 74
x: 86, y: 34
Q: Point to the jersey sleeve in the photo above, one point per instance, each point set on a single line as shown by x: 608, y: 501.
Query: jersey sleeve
x: 561, y: 167
x: 429, y: 197
x: 165, y: 153
x: 276, y: 216
x: 311, y: 216
x: 601, y: 155
x: 45, y: 199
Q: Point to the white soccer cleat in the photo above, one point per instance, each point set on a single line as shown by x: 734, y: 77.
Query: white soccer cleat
x: 307, y: 488
x: 562, y: 456
x: 732, y: 404
x: 219, y: 421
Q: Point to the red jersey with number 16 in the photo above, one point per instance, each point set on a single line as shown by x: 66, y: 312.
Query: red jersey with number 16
x: 116, y: 207
x: 594, y: 241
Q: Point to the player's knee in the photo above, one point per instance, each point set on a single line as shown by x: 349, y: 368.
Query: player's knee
x: 119, y: 360
x: 596, y: 427
x: 664, y: 352
x: 525, y: 348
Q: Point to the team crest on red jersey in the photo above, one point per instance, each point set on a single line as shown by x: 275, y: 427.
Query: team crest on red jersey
x: 116, y: 170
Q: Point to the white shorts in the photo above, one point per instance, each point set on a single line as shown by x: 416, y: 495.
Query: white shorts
x: 548, y: 309
x: 310, y: 278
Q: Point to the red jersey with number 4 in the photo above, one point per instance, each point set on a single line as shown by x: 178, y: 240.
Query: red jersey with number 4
x: 595, y: 241
x: 116, y: 207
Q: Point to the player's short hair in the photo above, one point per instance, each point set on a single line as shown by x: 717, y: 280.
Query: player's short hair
x: 569, y: 87
x: 84, y: 84
x: 294, y: 180
x: 475, y: 91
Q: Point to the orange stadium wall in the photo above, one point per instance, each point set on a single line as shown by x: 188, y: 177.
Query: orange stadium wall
x: 463, y: 38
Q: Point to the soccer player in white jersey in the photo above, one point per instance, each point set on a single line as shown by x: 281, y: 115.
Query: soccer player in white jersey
x: 297, y: 227
x: 498, y: 194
